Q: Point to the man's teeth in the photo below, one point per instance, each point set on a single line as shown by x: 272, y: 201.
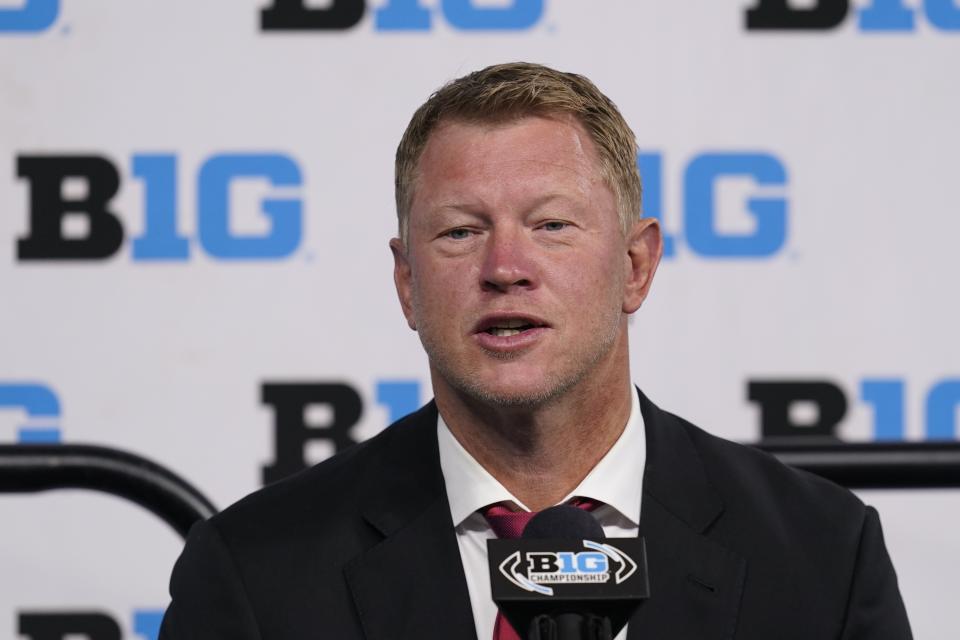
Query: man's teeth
x: 511, y: 327
x: 503, y: 331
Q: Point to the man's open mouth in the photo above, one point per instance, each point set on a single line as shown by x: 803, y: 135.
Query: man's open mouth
x: 506, y: 327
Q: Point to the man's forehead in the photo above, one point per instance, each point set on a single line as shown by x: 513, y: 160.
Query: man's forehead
x: 459, y: 149
x: 482, y: 126
x: 506, y: 177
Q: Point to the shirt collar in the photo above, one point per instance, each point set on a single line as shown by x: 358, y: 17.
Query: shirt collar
x: 469, y: 485
x: 617, y: 480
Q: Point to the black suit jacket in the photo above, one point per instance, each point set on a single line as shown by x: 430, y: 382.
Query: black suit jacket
x: 362, y: 546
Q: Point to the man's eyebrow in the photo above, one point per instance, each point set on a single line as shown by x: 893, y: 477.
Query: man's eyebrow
x: 551, y: 197
x: 476, y: 208
x: 456, y: 207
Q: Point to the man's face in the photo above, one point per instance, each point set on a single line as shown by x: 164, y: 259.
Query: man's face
x: 517, y: 274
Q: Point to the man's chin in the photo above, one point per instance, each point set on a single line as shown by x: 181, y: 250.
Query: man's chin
x: 501, y: 393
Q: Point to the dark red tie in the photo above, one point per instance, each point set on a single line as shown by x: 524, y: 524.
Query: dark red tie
x: 510, y: 524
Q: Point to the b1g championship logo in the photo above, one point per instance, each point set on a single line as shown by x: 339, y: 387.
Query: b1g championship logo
x: 534, y: 570
x: 403, y: 15
x: 532, y: 578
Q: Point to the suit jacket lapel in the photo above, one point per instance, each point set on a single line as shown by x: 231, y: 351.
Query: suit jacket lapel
x: 401, y: 584
x: 695, y: 584
x: 411, y: 584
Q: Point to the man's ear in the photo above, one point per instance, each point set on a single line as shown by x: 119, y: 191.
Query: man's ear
x: 644, y: 249
x: 402, y: 279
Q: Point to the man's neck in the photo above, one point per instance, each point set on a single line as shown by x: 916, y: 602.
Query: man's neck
x: 540, y: 453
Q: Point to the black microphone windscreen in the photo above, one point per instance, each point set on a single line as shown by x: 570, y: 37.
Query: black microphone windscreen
x: 563, y: 521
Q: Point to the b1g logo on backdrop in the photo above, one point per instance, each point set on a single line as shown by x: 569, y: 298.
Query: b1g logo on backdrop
x: 39, y: 404
x: 28, y: 16
x: 403, y: 15
x: 874, y: 16
x: 71, y: 217
x: 751, y: 227
x: 90, y: 625
x: 816, y: 408
x: 308, y: 413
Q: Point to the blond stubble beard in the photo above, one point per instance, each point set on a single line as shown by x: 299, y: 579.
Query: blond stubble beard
x: 556, y: 383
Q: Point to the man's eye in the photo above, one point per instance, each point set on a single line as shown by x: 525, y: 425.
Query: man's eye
x: 458, y: 234
x: 555, y: 225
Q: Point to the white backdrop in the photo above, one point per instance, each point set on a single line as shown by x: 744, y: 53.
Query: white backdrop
x: 167, y: 358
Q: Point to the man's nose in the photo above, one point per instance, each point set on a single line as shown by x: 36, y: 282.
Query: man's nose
x: 508, y: 261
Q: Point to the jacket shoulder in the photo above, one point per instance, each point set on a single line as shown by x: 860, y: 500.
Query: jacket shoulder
x: 812, y: 548
x: 772, y: 512
x: 686, y: 463
x: 273, y: 563
x: 331, y: 491
x: 747, y: 477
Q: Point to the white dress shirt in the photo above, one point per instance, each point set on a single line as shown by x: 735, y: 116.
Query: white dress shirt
x: 616, y: 481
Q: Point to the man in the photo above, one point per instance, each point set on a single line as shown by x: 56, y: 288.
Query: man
x: 521, y: 255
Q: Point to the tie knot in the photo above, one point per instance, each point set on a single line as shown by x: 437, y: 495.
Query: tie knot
x: 506, y: 523
x: 509, y: 524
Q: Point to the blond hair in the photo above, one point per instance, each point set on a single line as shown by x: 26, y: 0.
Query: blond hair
x: 505, y: 92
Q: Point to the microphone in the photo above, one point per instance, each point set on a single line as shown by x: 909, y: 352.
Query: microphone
x: 563, y: 521
x: 563, y: 580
